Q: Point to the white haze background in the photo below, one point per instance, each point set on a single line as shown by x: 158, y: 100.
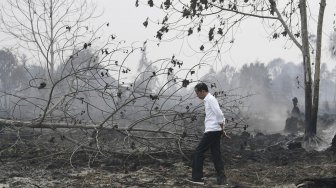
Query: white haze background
x: 253, y: 42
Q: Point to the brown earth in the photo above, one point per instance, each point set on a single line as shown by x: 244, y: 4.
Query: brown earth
x: 261, y: 161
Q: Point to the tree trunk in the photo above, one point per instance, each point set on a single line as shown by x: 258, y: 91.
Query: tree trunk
x: 52, y: 52
x: 317, y: 67
x: 307, y: 70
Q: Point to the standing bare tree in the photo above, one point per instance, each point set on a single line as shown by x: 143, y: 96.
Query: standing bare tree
x: 217, y: 21
x: 47, y: 28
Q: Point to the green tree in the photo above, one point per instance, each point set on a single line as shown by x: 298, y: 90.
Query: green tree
x: 11, y: 74
x: 287, y: 80
x: 255, y: 77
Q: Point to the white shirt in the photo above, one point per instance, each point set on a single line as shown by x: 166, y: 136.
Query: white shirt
x: 213, y: 114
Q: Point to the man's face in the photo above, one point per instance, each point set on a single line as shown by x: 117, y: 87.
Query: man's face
x: 201, y: 94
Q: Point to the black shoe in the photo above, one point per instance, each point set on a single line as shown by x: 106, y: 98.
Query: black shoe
x: 221, y: 180
x: 197, y: 182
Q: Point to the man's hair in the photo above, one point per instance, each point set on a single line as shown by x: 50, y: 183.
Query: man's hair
x: 201, y: 86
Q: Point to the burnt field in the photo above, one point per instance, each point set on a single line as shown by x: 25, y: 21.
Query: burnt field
x: 260, y: 160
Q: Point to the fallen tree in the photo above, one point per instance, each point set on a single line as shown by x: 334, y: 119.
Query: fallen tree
x: 94, y: 107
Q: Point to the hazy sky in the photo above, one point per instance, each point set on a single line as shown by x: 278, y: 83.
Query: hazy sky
x: 252, y: 43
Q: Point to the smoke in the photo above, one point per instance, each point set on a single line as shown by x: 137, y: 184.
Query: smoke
x: 327, y: 135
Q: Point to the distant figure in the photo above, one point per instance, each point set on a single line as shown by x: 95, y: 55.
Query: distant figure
x: 245, y: 137
x: 293, y: 123
x: 295, y: 110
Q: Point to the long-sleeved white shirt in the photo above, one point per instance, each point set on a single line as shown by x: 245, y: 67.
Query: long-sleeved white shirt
x: 213, y: 114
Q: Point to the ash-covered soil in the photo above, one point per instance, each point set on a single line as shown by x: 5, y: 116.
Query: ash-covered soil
x: 260, y: 161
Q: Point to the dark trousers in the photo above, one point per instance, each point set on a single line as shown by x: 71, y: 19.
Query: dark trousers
x: 209, y: 140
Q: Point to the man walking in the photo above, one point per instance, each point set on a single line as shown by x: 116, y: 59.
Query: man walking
x: 214, y: 128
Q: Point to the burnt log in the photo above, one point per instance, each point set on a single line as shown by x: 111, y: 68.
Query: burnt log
x: 291, y: 125
x: 317, y: 182
x: 333, y: 144
x: 294, y: 145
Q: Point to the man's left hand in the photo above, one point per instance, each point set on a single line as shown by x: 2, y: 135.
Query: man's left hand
x: 225, y: 135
